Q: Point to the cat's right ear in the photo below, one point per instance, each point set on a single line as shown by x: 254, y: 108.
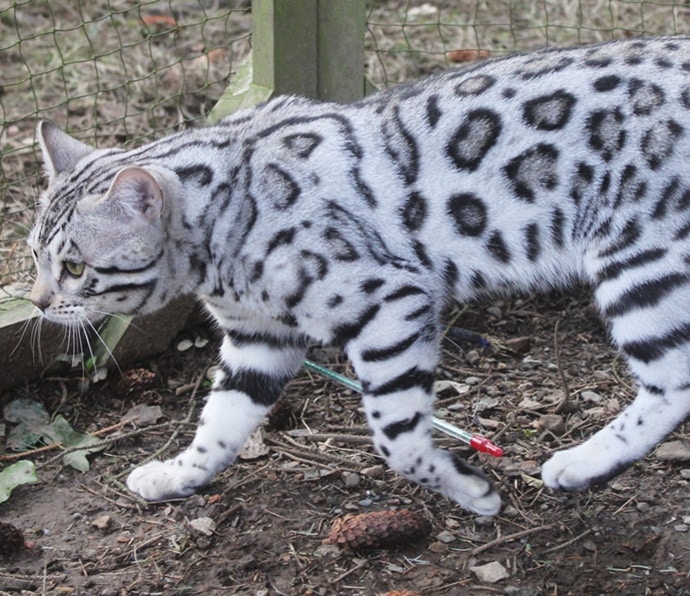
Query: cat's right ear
x: 60, y: 151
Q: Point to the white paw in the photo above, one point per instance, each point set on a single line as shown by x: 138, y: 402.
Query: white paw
x: 472, y: 489
x: 488, y: 503
x: 157, y: 481
x: 579, y: 469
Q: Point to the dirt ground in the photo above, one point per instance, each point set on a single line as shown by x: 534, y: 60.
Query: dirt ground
x: 270, y: 513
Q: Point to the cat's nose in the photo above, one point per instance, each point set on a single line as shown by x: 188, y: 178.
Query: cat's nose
x: 40, y: 297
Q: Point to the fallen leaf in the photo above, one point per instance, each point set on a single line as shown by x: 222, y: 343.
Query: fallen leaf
x: 21, y: 472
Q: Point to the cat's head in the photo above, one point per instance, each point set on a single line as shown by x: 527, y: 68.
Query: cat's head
x: 99, y: 236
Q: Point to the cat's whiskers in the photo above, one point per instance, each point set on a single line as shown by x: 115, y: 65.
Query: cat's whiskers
x: 103, y: 343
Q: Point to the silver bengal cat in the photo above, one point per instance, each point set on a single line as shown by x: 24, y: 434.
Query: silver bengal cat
x: 301, y: 222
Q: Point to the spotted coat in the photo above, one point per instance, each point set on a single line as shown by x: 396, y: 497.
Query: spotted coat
x: 300, y: 222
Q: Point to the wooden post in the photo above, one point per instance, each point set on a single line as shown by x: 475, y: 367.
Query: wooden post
x: 312, y: 48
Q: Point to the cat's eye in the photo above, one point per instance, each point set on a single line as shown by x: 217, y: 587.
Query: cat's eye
x: 73, y: 268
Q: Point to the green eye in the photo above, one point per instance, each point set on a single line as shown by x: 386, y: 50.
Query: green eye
x: 74, y: 269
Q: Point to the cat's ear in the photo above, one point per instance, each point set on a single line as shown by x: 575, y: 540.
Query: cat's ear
x: 60, y: 151
x: 135, y: 192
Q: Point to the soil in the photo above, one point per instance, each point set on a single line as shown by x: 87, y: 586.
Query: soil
x: 547, y: 357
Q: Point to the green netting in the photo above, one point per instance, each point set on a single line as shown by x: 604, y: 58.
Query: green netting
x: 407, y: 39
x: 116, y: 71
x: 111, y: 72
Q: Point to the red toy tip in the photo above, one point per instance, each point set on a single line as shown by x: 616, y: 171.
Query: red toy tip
x: 485, y: 446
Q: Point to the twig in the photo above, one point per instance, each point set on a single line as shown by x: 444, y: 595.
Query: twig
x: 567, y: 543
x: 359, y: 564
x: 566, y: 389
x: 511, y: 537
x: 52, y: 446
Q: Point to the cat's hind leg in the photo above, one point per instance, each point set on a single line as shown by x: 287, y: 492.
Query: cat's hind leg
x: 649, y: 311
x: 395, y: 354
x: 254, y: 369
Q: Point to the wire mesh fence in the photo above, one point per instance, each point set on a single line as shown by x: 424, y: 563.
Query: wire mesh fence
x: 116, y: 71
x: 407, y: 39
x: 111, y: 72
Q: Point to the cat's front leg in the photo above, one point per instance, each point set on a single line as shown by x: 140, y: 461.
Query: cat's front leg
x: 634, y: 433
x: 254, y: 369
x: 395, y: 354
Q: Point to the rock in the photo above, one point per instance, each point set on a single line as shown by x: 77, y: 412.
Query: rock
x: 553, y: 423
x: 520, y: 345
x: 674, y: 451
x: 446, y: 537
x: 203, y: 525
x: 102, y: 522
x: 143, y: 415
x: 491, y: 572
x: 530, y: 404
x: 254, y: 447
x: 592, y: 396
x: 685, y: 474
x: 351, y: 479
x: 184, y: 345
x: 373, y: 471
x: 495, y: 312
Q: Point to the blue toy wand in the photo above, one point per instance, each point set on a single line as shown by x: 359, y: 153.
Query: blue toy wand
x: 473, y: 440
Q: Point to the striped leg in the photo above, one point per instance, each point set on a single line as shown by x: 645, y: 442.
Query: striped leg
x: 397, y: 377
x: 254, y: 370
x: 648, y: 310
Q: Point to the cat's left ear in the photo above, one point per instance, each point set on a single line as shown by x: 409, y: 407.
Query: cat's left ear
x: 60, y: 151
x: 135, y: 192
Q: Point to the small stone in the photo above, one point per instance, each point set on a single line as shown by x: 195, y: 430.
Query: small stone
x: 613, y: 405
x: 520, y: 345
x: 446, y: 537
x: 495, y: 312
x: 102, y: 522
x: 685, y: 474
x: 553, y: 423
x: 184, y: 345
x: 373, y: 471
x: 530, y: 404
x: 200, y: 342
x: 643, y: 507
x: 592, y: 396
x: 590, y: 546
x: 681, y: 527
x: 351, y: 479
x: 674, y: 451
x: 203, y: 525
x: 484, y: 520
x: 472, y: 381
x: 438, y: 547
x: 491, y: 572
x: 472, y: 357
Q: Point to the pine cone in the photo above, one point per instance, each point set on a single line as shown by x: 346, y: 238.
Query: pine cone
x: 11, y: 539
x: 379, y: 529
